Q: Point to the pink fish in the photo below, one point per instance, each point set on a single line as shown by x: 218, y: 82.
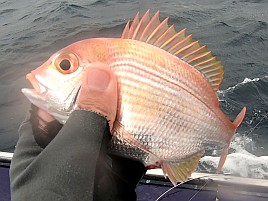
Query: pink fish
x: 168, y: 110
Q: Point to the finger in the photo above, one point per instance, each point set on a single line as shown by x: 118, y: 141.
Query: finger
x: 99, y: 91
x: 44, y: 117
x: 44, y: 126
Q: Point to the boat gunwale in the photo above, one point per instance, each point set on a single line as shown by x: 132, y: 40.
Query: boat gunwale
x: 240, y: 183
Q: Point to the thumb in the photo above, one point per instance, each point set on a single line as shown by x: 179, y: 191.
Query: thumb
x: 98, y: 92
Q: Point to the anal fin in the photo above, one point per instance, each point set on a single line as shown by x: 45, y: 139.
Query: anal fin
x: 182, y: 170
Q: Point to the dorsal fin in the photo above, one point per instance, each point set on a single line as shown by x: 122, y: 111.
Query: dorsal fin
x: 157, y: 33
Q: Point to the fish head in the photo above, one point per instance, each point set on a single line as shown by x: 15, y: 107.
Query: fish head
x: 56, y: 83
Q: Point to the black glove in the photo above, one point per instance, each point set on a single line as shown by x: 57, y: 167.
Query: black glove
x: 55, y: 162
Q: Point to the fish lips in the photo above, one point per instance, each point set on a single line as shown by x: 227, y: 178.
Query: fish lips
x: 36, y: 84
x: 35, y: 98
x: 37, y: 95
x: 41, y: 101
x: 45, y: 101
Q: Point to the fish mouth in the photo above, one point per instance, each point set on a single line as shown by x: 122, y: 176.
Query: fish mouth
x: 40, y: 100
x: 47, y: 99
x: 37, y: 95
x: 38, y: 87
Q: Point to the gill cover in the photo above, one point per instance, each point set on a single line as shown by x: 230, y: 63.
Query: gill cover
x: 56, y: 85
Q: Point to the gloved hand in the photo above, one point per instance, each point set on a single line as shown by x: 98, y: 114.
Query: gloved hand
x: 70, y: 162
x: 98, y: 94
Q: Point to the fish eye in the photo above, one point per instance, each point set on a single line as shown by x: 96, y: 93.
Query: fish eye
x: 66, y: 63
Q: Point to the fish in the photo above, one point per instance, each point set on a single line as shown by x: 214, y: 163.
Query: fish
x: 168, y: 111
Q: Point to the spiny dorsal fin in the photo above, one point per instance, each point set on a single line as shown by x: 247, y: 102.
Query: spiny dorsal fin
x: 157, y: 33
x: 178, y: 172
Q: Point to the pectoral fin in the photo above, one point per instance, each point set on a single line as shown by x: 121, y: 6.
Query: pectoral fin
x: 180, y: 171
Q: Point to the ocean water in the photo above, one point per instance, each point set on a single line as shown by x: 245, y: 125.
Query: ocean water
x: 236, y: 31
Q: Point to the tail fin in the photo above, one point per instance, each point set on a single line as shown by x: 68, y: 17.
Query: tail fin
x: 238, y: 120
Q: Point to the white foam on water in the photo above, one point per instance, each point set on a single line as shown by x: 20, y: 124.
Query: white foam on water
x: 245, y: 81
x: 241, y: 163
x: 239, y: 144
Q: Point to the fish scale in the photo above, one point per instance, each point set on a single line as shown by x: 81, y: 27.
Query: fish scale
x: 168, y: 111
x: 196, y: 88
x: 150, y: 104
x: 144, y: 57
x: 138, y: 61
x: 126, y: 78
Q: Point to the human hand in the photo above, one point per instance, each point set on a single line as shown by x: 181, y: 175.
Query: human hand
x: 98, y: 92
x: 65, y: 158
x: 72, y: 159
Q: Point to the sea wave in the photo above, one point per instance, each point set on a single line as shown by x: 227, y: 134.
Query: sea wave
x: 239, y: 163
x: 245, y: 81
x: 248, y: 151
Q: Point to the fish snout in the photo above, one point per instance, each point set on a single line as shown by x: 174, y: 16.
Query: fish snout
x: 34, y: 82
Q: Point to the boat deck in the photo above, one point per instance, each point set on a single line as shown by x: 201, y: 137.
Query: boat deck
x: 202, y: 187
